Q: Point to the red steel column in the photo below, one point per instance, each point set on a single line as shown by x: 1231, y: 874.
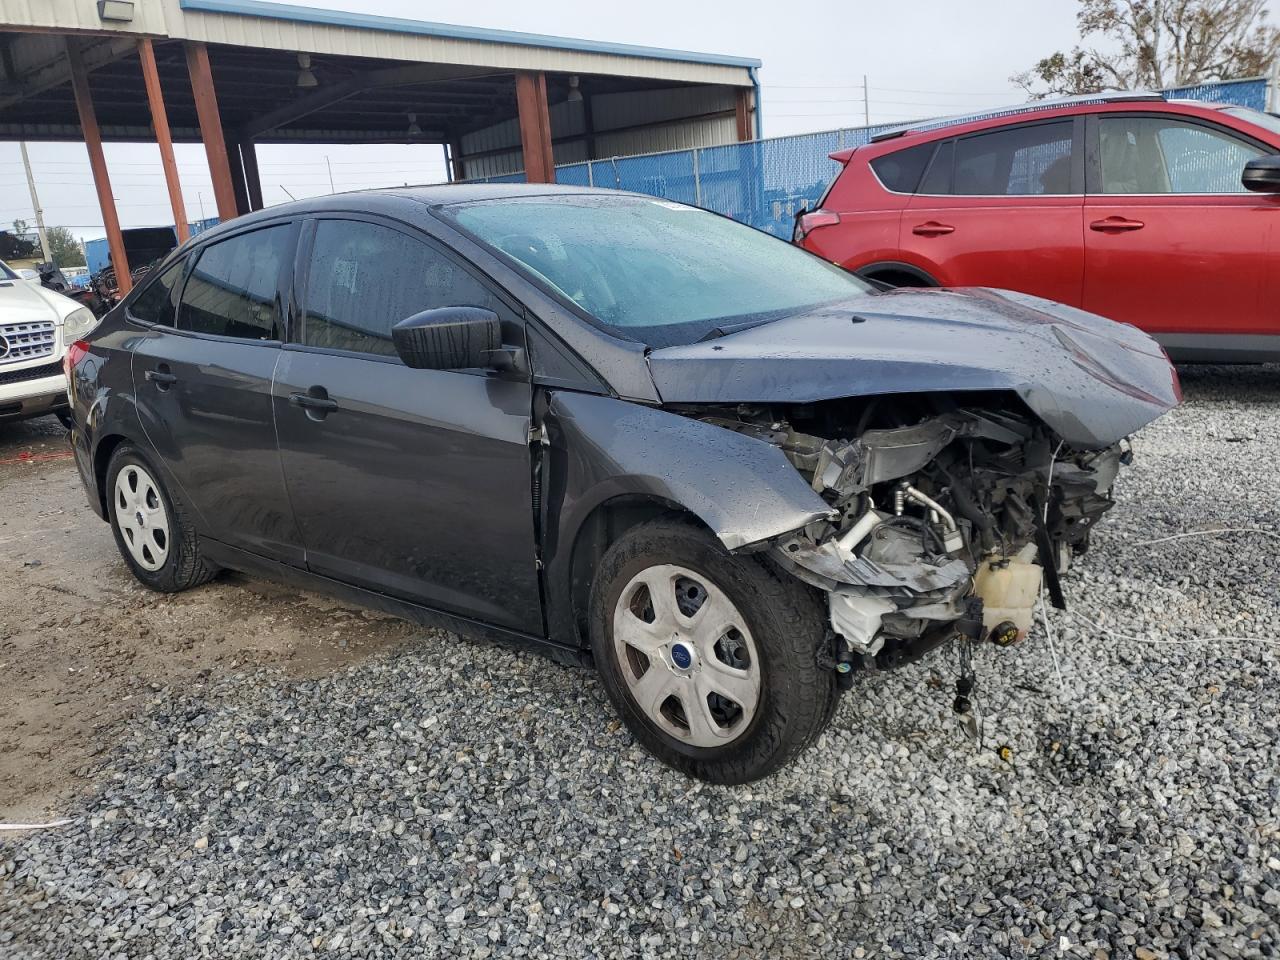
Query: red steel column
x: 535, y: 127
x: 742, y: 113
x: 98, y: 164
x: 215, y: 143
x: 164, y: 139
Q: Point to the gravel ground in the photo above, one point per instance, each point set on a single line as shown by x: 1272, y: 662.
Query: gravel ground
x: 450, y: 798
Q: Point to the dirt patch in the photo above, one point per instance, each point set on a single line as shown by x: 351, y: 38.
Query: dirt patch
x: 82, y: 643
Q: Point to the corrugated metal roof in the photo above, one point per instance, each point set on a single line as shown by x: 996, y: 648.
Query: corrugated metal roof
x: 257, y: 23
x: 148, y: 16
x: 282, y: 26
x: 366, y: 21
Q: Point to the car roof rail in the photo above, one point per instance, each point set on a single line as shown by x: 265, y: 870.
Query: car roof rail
x: 1034, y: 106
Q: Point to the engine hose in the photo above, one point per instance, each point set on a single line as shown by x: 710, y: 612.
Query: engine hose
x: 968, y: 507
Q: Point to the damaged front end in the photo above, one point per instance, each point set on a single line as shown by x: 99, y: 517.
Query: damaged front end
x: 948, y: 517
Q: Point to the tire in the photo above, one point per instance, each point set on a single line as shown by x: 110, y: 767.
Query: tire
x: 767, y: 699
x: 152, y: 527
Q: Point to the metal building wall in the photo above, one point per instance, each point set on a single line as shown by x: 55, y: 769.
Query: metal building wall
x: 148, y: 16
x: 642, y: 121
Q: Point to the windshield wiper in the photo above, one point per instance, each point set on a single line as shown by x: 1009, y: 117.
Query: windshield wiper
x: 727, y: 328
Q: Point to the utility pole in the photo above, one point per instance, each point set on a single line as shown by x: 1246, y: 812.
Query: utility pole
x: 332, y: 188
x: 866, y: 103
x: 35, y: 202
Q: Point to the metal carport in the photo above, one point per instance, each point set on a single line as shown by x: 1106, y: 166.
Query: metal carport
x: 234, y: 73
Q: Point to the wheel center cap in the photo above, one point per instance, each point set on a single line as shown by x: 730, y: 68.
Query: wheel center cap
x: 681, y: 655
x: 142, y: 522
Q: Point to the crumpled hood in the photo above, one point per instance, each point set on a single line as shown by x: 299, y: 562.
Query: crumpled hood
x: 1092, y: 381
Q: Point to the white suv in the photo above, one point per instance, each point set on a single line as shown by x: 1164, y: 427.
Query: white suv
x: 36, y: 327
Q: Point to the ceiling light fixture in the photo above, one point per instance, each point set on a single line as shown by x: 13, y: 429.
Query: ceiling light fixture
x: 306, y: 79
x: 575, y: 94
x: 414, y: 130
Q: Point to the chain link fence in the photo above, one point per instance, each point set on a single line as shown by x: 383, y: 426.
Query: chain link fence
x: 764, y: 182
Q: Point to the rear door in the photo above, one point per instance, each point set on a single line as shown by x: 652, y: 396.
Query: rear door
x: 202, y: 373
x: 1002, y: 208
x: 1174, y: 243
x: 413, y: 483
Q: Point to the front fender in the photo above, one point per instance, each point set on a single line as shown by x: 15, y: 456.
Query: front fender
x: 743, y: 489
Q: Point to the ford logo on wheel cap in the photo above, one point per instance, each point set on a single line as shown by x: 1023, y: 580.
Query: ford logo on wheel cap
x: 681, y: 656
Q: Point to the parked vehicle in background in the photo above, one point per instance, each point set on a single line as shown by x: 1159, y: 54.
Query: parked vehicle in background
x: 1161, y: 214
x: 725, y: 471
x: 36, y: 326
x: 144, y: 247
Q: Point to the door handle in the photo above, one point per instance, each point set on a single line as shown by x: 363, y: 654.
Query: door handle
x: 316, y: 402
x: 1116, y: 225
x: 932, y: 228
x: 162, y: 378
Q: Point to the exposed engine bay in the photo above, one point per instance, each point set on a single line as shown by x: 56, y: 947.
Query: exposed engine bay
x: 949, y: 515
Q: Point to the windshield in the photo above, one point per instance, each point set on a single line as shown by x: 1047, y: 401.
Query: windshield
x: 1264, y: 120
x: 653, y: 271
x: 6, y: 273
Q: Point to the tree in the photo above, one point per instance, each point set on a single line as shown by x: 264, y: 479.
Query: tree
x: 1153, y: 44
x: 16, y: 247
x: 64, y: 247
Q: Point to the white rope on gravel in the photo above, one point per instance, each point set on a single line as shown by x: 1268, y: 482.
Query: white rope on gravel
x: 1201, y: 533
x: 34, y: 826
x: 1044, y: 613
x: 1206, y: 638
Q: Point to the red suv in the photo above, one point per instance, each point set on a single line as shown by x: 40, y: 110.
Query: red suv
x: 1161, y: 214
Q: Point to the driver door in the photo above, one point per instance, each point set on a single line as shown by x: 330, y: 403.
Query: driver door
x: 411, y: 483
x: 1174, y: 243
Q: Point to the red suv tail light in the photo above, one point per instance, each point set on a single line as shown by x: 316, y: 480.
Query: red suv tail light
x: 814, y: 219
x: 75, y: 353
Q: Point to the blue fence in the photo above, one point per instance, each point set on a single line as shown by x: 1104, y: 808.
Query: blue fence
x: 764, y: 182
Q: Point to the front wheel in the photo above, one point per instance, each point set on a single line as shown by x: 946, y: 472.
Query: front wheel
x: 710, y: 658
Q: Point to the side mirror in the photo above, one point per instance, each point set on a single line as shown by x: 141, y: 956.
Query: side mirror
x: 448, y: 338
x: 1262, y: 175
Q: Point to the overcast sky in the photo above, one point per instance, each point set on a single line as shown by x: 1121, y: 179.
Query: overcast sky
x: 921, y: 58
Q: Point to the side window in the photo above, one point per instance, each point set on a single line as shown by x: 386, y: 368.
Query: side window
x: 1145, y: 155
x: 938, y: 180
x: 1019, y: 161
x: 155, y: 304
x: 232, y: 289
x: 901, y: 171
x: 365, y: 278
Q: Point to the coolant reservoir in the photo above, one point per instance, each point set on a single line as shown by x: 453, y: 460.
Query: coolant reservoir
x: 1009, y: 588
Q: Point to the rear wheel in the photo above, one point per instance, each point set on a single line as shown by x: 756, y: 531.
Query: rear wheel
x: 153, y: 531
x: 709, y: 658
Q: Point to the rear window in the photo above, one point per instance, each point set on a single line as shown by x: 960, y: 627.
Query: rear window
x: 901, y: 171
x: 938, y: 179
x: 1019, y: 161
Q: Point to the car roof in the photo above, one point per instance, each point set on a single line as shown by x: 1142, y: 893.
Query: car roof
x: 1035, y: 106
x: 443, y: 194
